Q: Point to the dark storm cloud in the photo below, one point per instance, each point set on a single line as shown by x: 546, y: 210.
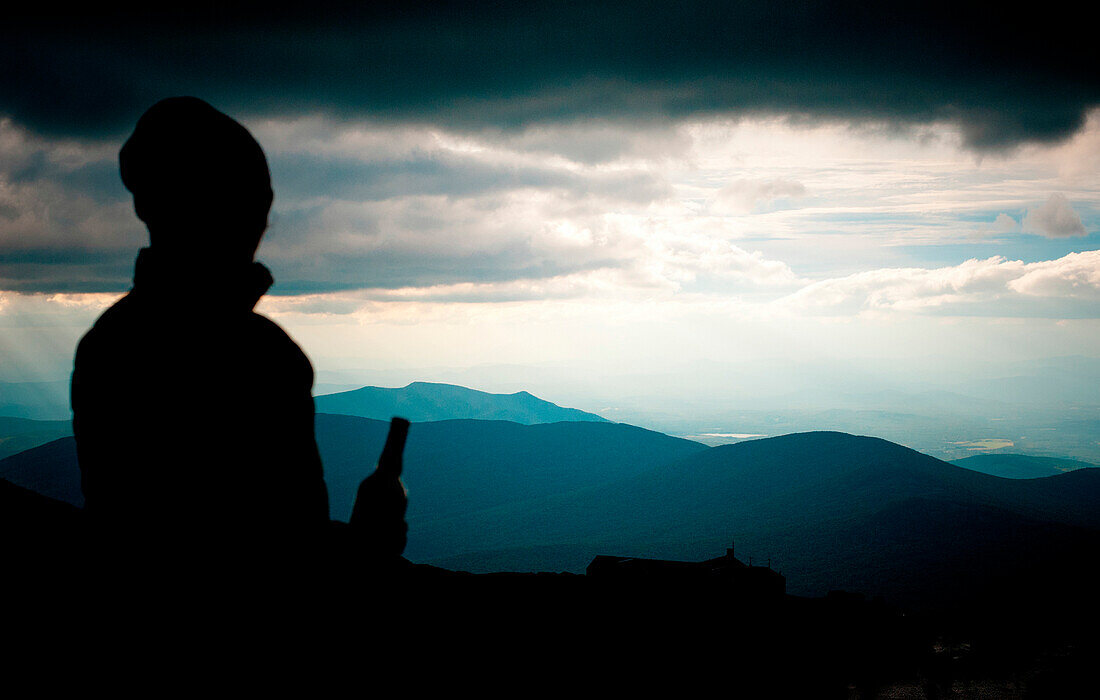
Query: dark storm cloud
x: 67, y: 271
x: 1003, y: 75
x: 389, y: 269
x: 98, y: 179
x: 302, y: 175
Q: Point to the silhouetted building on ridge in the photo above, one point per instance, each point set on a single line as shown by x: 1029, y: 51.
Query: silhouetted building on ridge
x: 726, y: 571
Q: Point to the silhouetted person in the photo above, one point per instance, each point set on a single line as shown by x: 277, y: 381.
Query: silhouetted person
x: 193, y: 414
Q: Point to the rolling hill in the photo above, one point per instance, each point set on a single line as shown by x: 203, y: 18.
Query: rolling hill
x: 19, y: 434
x: 830, y: 510
x: 454, y: 466
x: 462, y: 466
x: 1015, y: 466
x: 426, y: 401
x: 50, y: 469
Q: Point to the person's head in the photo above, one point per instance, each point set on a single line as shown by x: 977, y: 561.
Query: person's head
x: 200, y: 181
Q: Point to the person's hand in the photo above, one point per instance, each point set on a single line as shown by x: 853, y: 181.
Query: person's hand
x: 378, y: 517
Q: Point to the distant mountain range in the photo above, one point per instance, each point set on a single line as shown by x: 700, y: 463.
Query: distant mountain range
x: 830, y: 510
x: 426, y: 401
x: 19, y: 434
x: 46, y: 401
x: 419, y: 401
x: 1014, y: 466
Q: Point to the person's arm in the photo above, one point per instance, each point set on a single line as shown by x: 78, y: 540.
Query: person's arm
x: 90, y: 423
x: 317, y: 503
x: 298, y: 447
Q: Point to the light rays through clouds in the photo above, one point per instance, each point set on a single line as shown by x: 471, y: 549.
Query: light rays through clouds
x: 557, y: 240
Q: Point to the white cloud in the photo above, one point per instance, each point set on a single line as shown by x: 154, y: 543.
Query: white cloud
x: 598, y: 143
x: 714, y: 264
x: 1005, y: 224
x: 1054, y: 219
x: 746, y: 196
x: 1076, y: 158
x: 52, y: 310
x: 1075, y: 276
x: 1068, y: 287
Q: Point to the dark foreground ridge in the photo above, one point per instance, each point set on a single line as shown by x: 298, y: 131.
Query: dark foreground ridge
x: 629, y: 625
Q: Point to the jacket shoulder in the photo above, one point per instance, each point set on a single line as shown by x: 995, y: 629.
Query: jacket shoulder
x: 111, y: 323
x: 282, y: 347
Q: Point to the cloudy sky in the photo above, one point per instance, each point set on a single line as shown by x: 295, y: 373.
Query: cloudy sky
x: 624, y: 186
